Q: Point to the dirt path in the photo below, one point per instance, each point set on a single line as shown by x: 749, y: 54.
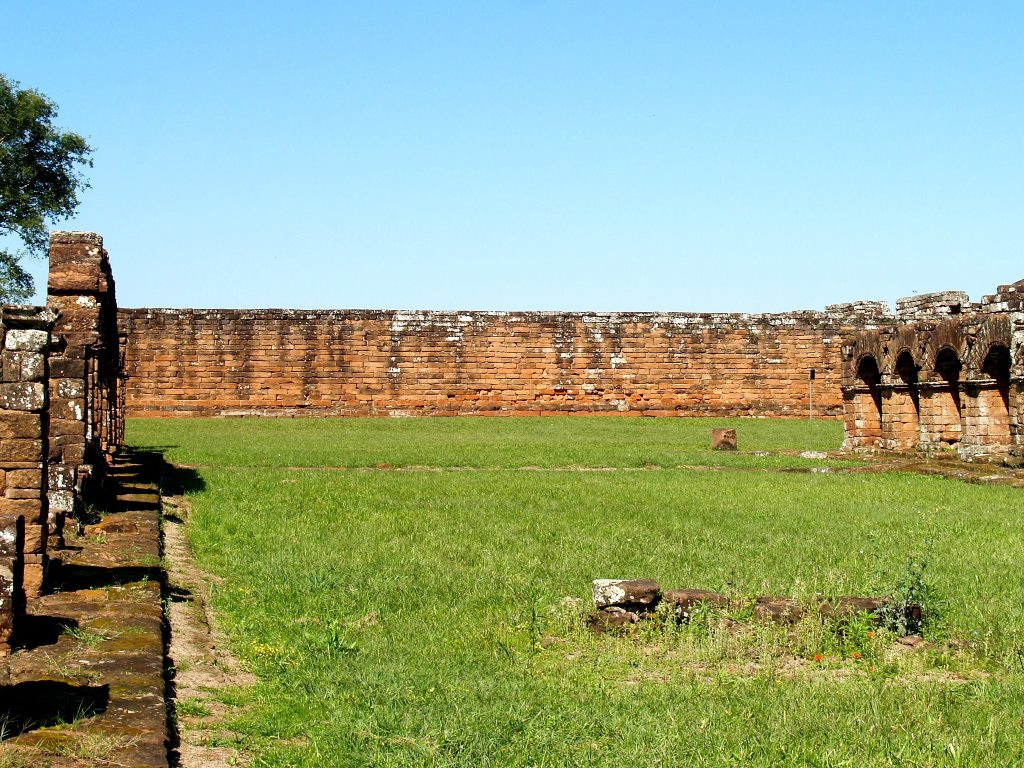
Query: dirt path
x: 199, y: 655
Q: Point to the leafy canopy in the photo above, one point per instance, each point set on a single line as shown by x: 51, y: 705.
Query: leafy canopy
x: 39, y: 179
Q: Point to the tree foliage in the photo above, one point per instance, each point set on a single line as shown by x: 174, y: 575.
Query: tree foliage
x: 39, y: 179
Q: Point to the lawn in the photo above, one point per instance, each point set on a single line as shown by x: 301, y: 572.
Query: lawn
x: 400, y: 589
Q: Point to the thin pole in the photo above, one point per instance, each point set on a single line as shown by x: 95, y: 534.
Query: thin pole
x: 810, y: 395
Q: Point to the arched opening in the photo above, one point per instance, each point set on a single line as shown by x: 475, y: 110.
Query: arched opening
x: 941, y: 407
x: 904, y: 412
x: 994, y: 398
x: 864, y: 418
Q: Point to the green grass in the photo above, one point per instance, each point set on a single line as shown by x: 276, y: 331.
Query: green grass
x: 479, y: 442
x: 396, y: 618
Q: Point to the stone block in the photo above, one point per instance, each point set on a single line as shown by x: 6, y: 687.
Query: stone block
x: 30, y: 509
x: 626, y: 593
x: 67, y: 367
x: 847, y: 606
x: 62, y: 502
x: 723, y: 439
x: 35, y: 538
x: 23, y: 396
x: 67, y: 449
x: 12, y: 534
x: 69, y: 388
x: 611, y: 618
x: 27, y: 340
x: 22, y: 493
x: 688, y: 600
x: 17, y: 424
x: 20, y: 450
x: 61, y: 477
x: 32, y: 579
x: 25, y: 478
x: 67, y: 410
x: 782, y: 610
x: 23, y: 366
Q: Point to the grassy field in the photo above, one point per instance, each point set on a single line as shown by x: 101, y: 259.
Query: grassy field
x: 400, y: 589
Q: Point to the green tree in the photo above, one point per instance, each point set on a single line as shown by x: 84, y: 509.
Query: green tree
x: 39, y: 179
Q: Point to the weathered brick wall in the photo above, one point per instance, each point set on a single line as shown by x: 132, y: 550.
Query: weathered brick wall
x: 208, y: 362
x: 60, y: 413
x: 85, y: 386
x: 24, y: 345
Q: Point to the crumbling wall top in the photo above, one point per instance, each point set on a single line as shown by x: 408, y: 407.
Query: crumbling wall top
x: 933, y: 305
x: 76, y: 237
x: 1007, y: 298
x: 79, y: 264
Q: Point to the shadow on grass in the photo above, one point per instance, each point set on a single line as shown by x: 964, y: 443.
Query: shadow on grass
x: 174, y: 480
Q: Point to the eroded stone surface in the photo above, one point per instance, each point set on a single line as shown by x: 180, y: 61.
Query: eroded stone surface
x: 688, y: 600
x: 100, y: 637
x: 626, y: 593
x: 723, y: 439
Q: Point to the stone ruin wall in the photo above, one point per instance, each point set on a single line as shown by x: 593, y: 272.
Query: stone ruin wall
x: 184, y: 362
x: 24, y: 525
x: 60, y: 414
x: 945, y: 373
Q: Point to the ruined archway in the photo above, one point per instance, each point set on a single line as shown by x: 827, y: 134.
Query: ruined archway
x: 941, y: 405
x: 901, y: 411
x: 989, y: 414
x: 864, y: 411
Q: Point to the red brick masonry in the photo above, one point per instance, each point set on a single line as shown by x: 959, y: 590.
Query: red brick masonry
x: 359, y: 362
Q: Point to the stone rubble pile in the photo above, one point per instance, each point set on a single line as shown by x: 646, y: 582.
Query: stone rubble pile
x: 620, y: 603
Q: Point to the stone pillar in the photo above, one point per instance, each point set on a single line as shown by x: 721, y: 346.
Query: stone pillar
x: 24, y: 345
x: 85, y: 369
x: 900, y: 417
x: 1017, y: 383
x: 862, y: 410
x: 941, y: 420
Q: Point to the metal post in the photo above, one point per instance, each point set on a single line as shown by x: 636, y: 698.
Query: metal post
x: 810, y: 395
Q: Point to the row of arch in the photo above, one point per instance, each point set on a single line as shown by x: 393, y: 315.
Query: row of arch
x: 935, y: 385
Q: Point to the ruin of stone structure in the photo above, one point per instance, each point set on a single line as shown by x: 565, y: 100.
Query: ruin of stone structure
x: 60, y: 414
x: 940, y: 372
x: 944, y: 373
x: 394, y: 363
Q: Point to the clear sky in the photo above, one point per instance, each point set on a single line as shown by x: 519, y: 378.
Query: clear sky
x: 684, y: 156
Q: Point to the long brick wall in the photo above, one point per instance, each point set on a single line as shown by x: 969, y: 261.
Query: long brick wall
x: 355, y: 362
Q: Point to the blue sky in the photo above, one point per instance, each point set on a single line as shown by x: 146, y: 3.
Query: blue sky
x: 524, y: 155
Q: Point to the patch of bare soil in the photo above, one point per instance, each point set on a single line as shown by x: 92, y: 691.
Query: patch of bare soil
x: 199, y: 654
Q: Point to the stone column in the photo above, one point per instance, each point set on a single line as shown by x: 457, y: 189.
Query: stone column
x: 24, y: 345
x: 84, y: 369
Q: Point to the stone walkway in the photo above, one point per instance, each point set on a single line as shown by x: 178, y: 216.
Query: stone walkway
x: 87, y: 685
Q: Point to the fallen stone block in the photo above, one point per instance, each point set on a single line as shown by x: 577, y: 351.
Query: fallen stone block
x: 626, y: 593
x: 723, y: 439
x: 848, y: 606
x: 686, y: 601
x: 782, y: 610
x: 611, y: 617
